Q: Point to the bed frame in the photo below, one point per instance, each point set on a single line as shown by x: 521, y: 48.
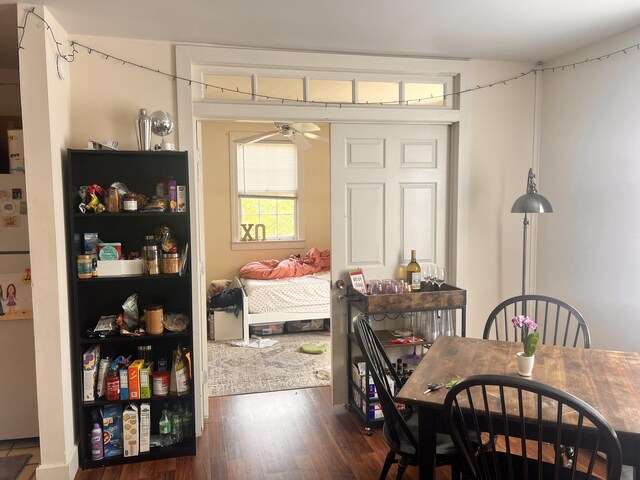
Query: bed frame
x: 271, y: 317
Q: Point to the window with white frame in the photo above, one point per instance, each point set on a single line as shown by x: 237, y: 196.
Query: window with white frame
x: 266, y: 191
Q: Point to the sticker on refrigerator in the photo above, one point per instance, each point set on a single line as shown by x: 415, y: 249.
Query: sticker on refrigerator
x: 16, y: 193
x: 4, y: 195
x: 15, y: 297
x: 11, y: 221
x: 8, y: 207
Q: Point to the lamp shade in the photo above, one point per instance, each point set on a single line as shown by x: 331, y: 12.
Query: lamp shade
x: 531, y: 203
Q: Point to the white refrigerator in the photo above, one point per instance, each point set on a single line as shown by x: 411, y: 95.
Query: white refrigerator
x: 18, y: 419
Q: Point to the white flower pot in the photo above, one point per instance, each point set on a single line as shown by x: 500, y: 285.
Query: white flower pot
x: 525, y: 364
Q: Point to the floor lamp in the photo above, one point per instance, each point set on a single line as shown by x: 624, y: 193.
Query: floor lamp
x: 530, y: 202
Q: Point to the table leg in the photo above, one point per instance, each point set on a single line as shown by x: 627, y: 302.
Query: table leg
x: 427, y: 442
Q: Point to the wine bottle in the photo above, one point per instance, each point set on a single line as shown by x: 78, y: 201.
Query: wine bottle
x: 413, y: 272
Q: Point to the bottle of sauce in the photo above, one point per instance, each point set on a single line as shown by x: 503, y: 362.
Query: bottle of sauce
x: 113, y: 385
x: 413, y: 273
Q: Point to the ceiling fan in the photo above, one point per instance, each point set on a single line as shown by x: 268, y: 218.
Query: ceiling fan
x: 296, y: 132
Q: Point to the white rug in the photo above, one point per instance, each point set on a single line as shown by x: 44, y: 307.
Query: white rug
x: 237, y: 370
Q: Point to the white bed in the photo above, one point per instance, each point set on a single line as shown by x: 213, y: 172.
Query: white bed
x: 285, y: 299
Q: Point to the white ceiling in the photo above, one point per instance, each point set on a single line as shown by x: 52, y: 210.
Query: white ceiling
x: 486, y: 29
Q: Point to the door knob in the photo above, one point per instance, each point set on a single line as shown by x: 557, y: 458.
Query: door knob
x: 340, y: 286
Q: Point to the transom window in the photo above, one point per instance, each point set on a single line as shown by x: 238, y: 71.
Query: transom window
x: 264, y: 88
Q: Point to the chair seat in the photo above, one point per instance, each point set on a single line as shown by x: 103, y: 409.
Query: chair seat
x: 444, y: 444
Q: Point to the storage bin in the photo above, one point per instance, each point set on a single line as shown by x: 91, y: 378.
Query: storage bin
x: 266, y: 329
x: 226, y: 326
x: 305, y: 325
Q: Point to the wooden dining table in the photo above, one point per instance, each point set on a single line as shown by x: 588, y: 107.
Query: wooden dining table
x: 607, y: 380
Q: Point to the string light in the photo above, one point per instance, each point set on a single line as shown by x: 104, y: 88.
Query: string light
x: 69, y: 57
x: 536, y: 69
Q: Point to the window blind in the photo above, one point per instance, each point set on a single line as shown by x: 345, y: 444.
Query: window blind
x: 268, y: 169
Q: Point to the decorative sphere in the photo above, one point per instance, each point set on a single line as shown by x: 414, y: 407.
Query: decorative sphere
x: 161, y: 123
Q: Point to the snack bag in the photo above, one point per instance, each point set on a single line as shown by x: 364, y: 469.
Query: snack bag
x: 179, y: 379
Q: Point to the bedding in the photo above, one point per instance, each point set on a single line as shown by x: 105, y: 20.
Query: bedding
x: 313, y: 262
x: 309, y: 293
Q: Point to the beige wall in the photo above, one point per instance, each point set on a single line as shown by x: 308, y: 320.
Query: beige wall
x: 222, y: 262
x: 106, y: 95
x: 46, y: 126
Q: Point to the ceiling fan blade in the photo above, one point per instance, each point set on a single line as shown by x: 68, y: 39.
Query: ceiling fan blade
x: 305, y: 127
x: 315, y: 137
x: 256, y: 138
x: 300, y: 142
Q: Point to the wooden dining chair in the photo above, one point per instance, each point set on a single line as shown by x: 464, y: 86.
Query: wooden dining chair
x: 524, y: 422
x: 558, y: 322
x: 400, y: 428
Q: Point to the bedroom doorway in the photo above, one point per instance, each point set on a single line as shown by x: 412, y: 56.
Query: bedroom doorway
x: 282, y: 365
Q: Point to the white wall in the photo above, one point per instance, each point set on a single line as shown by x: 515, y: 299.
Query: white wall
x: 500, y: 129
x: 590, y: 171
x: 46, y: 127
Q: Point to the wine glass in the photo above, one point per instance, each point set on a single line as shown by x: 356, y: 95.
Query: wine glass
x: 438, y: 276
x: 427, y: 272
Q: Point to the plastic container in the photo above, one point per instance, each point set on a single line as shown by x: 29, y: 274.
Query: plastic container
x: 160, y: 383
x: 85, y: 266
x: 153, y: 317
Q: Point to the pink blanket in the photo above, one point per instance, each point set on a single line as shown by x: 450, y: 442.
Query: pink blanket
x: 314, y: 261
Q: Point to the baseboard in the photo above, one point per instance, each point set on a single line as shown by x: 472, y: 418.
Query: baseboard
x: 59, y: 471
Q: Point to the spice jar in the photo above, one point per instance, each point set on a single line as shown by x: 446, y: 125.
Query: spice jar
x: 144, y: 353
x: 150, y: 240
x: 153, y: 318
x: 130, y: 202
x: 170, y: 263
x: 85, y: 266
x: 150, y: 257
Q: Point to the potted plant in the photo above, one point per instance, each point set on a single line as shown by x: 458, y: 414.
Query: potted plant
x: 530, y: 340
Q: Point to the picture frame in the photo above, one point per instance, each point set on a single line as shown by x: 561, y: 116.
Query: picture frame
x: 357, y: 281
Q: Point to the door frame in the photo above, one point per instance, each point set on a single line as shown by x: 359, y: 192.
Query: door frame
x: 191, y: 108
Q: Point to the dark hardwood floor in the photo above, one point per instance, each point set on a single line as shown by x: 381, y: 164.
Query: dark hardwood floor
x: 289, y: 435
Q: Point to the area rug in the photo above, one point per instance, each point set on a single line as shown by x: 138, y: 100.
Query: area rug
x: 10, y: 467
x: 237, y: 370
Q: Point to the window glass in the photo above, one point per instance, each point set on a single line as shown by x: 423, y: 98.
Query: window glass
x: 378, y: 92
x: 292, y: 88
x: 424, y: 91
x: 331, y: 91
x: 267, y: 187
x: 228, y: 85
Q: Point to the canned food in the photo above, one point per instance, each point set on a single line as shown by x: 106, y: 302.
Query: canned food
x: 85, y: 266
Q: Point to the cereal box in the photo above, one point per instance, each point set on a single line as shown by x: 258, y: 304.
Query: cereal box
x: 131, y: 427
x: 182, y: 198
x: 124, y: 383
x: 134, y: 379
x: 145, y: 427
x: 112, y: 430
x: 145, y: 380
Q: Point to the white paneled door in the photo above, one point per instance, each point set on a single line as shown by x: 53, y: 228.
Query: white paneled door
x: 388, y: 196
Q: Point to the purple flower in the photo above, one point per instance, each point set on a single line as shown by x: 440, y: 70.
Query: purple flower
x: 518, y: 321
x: 530, y: 323
x: 521, y: 321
